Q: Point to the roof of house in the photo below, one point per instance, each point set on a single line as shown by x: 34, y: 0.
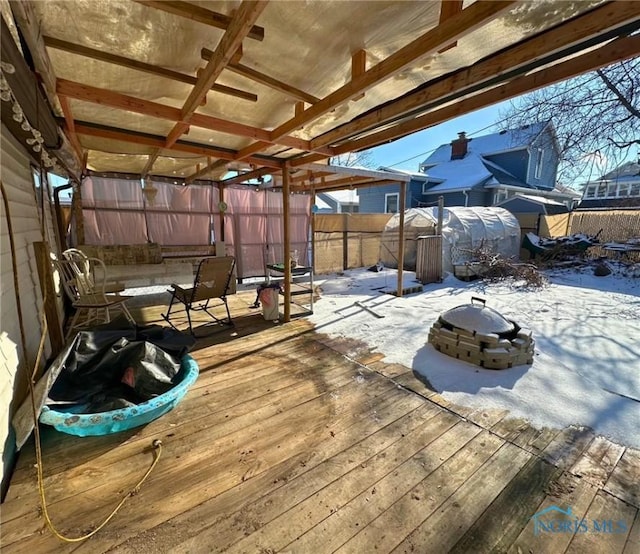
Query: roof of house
x: 503, y: 141
x: 462, y: 174
x: 623, y: 172
x: 533, y: 198
x: 342, y: 196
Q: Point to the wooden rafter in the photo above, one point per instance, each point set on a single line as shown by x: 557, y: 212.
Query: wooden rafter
x: 255, y: 174
x: 212, y: 166
x: 584, y: 27
x: 71, y: 126
x: 470, y: 19
x: 149, y: 165
x: 240, y: 24
x: 612, y: 52
x: 141, y: 66
x: 201, y: 15
x: 449, y: 8
x: 358, y: 67
x: 83, y: 128
x: 263, y: 79
x: 96, y: 95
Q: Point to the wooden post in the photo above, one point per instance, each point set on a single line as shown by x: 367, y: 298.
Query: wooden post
x: 345, y: 242
x: 313, y: 230
x: 440, y: 214
x: 43, y: 264
x: 76, y: 209
x: 286, y: 231
x: 401, y: 207
x: 220, y: 200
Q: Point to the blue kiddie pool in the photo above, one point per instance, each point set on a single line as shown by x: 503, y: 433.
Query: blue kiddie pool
x: 103, y: 423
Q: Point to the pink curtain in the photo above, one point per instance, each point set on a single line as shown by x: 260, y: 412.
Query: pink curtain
x: 182, y: 215
x: 112, y: 211
x: 253, y: 228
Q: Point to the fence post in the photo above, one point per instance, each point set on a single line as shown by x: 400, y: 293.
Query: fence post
x: 345, y: 242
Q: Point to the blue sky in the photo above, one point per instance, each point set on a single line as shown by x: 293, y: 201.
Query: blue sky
x: 419, y: 145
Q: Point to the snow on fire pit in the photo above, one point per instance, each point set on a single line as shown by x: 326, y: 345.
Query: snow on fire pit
x: 480, y: 335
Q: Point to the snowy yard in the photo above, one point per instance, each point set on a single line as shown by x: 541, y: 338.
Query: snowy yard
x: 586, y: 369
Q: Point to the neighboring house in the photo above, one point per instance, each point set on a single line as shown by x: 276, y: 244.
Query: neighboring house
x: 386, y: 198
x: 618, y: 188
x: 337, y: 201
x: 482, y: 171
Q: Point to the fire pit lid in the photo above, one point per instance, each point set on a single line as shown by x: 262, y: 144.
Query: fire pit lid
x: 477, y: 317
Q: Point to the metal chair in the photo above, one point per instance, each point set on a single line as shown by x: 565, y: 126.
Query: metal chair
x: 212, y: 281
x: 88, y: 296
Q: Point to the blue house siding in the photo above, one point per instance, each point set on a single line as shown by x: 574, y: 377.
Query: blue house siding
x: 515, y: 162
x: 372, y: 198
x: 547, y: 179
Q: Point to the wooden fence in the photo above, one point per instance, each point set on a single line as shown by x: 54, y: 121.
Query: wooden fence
x: 346, y: 241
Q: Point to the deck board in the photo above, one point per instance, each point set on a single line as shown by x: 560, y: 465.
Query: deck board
x: 295, y: 441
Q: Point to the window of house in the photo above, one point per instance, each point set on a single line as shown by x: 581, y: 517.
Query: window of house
x: 500, y: 195
x: 635, y: 189
x: 429, y: 184
x: 539, y: 159
x: 612, y: 190
x: 591, y: 191
x: 623, y: 190
x: 601, y: 191
x: 391, y: 203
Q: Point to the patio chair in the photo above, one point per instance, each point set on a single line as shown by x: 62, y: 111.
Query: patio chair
x: 88, y: 297
x: 212, y: 282
x: 85, y: 267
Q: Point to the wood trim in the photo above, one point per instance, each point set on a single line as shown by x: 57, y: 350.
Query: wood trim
x: 573, y: 32
x: 263, y: 79
x: 100, y: 131
x: 238, y: 28
x: 449, y: 8
x: 612, y: 52
x: 142, y: 66
x: 201, y: 15
x: 468, y: 20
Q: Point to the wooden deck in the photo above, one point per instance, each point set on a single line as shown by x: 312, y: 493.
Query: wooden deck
x: 294, y: 442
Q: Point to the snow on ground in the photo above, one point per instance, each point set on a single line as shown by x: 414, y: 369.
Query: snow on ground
x: 586, y: 369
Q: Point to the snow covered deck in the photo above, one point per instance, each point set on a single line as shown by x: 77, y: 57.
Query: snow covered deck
x: 294, y: 441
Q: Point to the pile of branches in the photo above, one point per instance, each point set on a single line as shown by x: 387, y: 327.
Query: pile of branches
x: 492, y: 267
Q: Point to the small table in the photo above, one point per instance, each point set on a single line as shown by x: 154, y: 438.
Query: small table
x: 298, y: 289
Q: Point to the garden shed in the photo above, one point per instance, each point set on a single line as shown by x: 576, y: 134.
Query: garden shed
x: 463, y: 230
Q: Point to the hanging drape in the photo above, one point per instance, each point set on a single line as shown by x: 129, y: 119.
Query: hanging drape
x: 112, y: 210
x: 181, y: 215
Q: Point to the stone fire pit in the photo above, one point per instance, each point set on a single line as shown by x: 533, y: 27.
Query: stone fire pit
x: 480, y: 335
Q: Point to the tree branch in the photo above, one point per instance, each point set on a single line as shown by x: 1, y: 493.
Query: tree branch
x: 614, y: 89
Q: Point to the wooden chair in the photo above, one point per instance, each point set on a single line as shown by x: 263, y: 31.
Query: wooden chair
x: 212, y: 281
x: 87, y: 296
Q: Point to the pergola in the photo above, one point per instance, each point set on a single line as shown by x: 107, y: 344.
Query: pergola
x: 190, y: 90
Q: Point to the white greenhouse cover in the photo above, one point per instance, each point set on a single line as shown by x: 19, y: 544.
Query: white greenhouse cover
x: 463, y: 230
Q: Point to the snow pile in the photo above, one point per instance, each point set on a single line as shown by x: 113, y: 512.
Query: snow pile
x: 586, y: 370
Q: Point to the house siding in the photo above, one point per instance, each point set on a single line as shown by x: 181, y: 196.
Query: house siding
x: 15, y: 173
x: 372, y: 198
x: 515, y: 162
x: 547, y: 178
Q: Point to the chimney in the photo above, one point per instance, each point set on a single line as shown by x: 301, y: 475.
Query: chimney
x: 459, y: 146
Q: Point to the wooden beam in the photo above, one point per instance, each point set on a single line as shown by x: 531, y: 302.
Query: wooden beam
x: 105, y: 97
x: 612, y: 52
x: 84, y: 128
x: 467, y: 21
x: 449, y: 8
x: 240, y: 25
x: 201, y: 15
x: 255, y: 174
x: 263, y: 79
x: 339, y: 183
x: 141, y: 66
x: 207, y: 169
x: 149, y: 165
x: 573, y: 32
x: 70, y: 126
x: 358, y: 67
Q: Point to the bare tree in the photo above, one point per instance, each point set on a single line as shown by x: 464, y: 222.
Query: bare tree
x: 596, y: 117
x: 353, y: 159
